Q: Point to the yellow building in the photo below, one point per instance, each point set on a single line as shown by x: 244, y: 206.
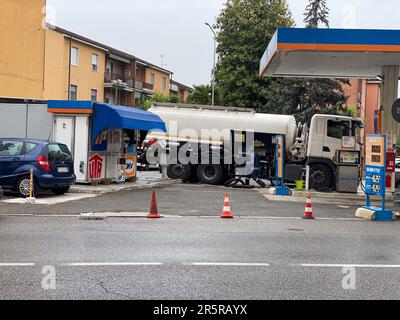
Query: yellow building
x: 41, y: 61
x: 22, y: 46
x: 180, y: 90
x: 74, y: 68
x: 159, y: 79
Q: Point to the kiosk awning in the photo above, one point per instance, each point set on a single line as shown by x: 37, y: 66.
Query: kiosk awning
x: 330, y: 53
x: 112, y: 116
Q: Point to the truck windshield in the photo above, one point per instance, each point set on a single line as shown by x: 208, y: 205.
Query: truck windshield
x: 338, y: 129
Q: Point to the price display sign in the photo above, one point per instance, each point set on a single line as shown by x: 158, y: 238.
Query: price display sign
x: 375, y: 171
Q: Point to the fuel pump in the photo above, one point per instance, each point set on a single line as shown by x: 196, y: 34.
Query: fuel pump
x: 347, y: 161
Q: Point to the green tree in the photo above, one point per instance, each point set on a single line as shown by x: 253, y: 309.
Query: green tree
x: 316, y: 12
x: 244, y: 28
x: 306, y: 97
x: 202, y: 94
x: 146, y: 102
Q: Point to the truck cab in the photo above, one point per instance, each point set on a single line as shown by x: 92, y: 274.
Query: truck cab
x: 325, y: 137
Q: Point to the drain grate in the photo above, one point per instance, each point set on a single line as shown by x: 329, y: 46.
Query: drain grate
x: 92, y: 218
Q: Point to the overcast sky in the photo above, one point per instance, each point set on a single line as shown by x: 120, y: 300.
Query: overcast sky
x: 175, y: 28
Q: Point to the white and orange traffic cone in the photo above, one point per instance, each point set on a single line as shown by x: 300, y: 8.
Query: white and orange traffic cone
x: 226, y: 211
x: 308, y: 214
x: 153, y: 214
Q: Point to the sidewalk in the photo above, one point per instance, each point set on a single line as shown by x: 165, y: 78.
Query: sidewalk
x: 145, y: 180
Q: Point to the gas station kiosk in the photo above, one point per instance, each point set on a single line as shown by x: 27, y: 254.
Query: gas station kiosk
x: 103, y: 138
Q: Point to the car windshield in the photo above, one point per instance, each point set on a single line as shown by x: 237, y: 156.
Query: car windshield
x: 58, y: 152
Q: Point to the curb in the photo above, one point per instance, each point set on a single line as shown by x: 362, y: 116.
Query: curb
x: 339, y: 196
x: 150, y: 185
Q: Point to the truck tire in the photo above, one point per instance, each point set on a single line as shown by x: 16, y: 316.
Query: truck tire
x: 210, y: 173
x: 178, y: 171
x: 321, y: 177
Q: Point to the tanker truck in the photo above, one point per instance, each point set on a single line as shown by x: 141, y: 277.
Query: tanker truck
x: 189, y: 126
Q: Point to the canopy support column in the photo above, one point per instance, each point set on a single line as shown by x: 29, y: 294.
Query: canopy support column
x: 389, y: 94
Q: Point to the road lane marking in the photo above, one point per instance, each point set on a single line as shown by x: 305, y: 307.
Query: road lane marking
x: 105, y: 264
x: 17, y: 264
x: 351, y: 265
x: 228, y: 264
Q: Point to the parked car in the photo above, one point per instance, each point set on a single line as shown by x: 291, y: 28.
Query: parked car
x: 51, y: 162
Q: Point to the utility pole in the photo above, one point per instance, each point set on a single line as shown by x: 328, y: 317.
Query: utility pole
x: 213, y: 73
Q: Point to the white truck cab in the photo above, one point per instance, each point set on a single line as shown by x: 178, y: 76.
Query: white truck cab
x: 326, y: 133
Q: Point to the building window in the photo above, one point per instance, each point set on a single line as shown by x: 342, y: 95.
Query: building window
x: 95, y: 62
x: 152, y: 78
x: 93, y: 95
x: 74, y: 56
x: 73, y: 92
x: 164, y: 83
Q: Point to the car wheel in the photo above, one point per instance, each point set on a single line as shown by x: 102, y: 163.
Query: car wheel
x: 210, y: 174
x: 61, y: 190
x: 178, y: 171
x: 24, y: 186
x: 321, y: 177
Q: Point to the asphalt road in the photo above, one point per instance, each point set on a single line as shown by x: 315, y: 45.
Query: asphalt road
x: 198, y: 258
x: 188, y: 200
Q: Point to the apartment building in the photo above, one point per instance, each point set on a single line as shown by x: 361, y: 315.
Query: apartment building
x: 74, y: 67
x: 180, y: 90
x: 48, y: 62
x: 22, y: 49
x: 78, y: 68
x: 364, y: 100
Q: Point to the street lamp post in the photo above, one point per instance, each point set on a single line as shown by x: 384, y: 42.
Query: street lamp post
x: 213, y: 73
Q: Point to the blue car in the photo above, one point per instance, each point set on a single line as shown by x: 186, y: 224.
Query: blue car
x: 52, y: 165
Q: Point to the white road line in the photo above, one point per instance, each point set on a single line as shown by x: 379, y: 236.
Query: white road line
x: 351, y: 265
x: 17, y: 264
x: 227, y: 264
x: 105, y: 264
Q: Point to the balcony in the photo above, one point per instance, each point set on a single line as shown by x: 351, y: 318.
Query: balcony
x: 174, y: 88
x: 140, y: 85
x: 148, y: 86
x: 124, y: 77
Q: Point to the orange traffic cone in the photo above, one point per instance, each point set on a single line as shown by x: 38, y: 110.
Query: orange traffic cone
x: 308, y: 214
x: 153, y: 214
x: 226, y: 212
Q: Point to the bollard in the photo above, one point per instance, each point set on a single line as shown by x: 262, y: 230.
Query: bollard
x: 31, y: 199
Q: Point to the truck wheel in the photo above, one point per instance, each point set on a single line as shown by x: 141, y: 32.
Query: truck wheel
x: 210, y: 173
x: 321, y: 177
x: 178, y: 171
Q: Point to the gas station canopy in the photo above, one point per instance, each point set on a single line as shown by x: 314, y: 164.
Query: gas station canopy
x: 330, y: 53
